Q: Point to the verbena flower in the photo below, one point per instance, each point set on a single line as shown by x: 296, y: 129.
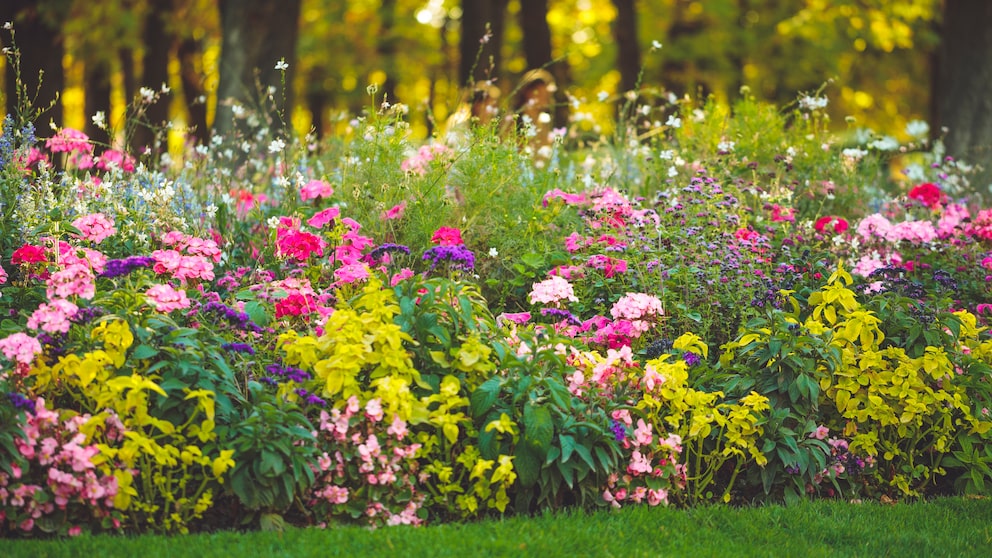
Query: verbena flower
x: 456, y: 257
x: 117, y: 268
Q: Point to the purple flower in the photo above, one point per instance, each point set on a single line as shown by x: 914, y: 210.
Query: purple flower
x: 619, y: 432
x: 458, y: 257
x: 19, y: 401
x: 117, y: 268
x: 238, y: 348
x: 691, y: 359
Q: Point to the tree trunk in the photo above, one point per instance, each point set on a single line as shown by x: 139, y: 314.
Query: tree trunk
x: 256, y: 34
x: 479, y: 52
x: 194, y: 94
x: 387, y: 48
x: 96, y: 76
x: 154, y: 73
x: 41, y: 50
x: 964, y: 105
x: 533, y: 17
x: 628, y: 51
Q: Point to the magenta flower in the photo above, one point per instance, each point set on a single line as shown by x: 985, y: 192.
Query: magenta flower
x: 316, y: 189
x: 323, y: 217
x: 447, y: 236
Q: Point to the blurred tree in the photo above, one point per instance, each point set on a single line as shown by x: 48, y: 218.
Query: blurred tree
x: 481, y: 43
x: 256, y: 34
x: 628, y: 50
x: 533, y: 18
x: 963, y: 84
x: 41, y: 44
x: 158, y: 46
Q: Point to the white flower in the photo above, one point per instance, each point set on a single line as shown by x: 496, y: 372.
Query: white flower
x: 237, y: 110
x: 100, y: 120
x: 282, y: 65
x: 914, y: 172
x: 885, y: 143
x: 812, y: 103
x: 544, y: 118
x: 211, y: 210
x: 277, y: 146
x: 602, y: 96
x: 666, y: 154
x: 917, y: 128
x: 674, y: 121
x: 202, y: 149
x: 493, y: 252
x: 8, y: 25
x: 673, y: 172
x: 698, y: 115
x: 726, y: 146
x: 148, y: 95
x: 655, y: 45
x: 273, y: 222
x: 854, y: 153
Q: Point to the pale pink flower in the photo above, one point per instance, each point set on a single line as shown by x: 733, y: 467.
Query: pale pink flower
x: 69, y: 140
x: 552, y: 291
x: 166, y: 299
x: 95, y: 227
x: 76, y: 279
x: 642, y: 434
x: 373, y: 410
x: 875, y: 225
x: 53, y: 316
x: 20, y: 347
x: 657, y: 496
x: 820, y: 433
x: 636, y: 306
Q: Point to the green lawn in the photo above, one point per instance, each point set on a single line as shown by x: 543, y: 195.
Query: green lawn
x: 944, y: 527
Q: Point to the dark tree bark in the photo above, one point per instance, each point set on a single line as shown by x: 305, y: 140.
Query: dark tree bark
x: 628, y: 51
x: 964, y: 105
x: 96, y: 93
x: 479, y: 57
x: 41, y: 47
x: 256, y: 34
x: 190, y: 50
x: 154, y: 73
x: 533, y: 18
x: 678, y: 73
x: 387, y: 48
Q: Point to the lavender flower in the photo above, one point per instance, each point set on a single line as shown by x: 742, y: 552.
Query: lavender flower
x: 457, y: 257
x: 379, y: 251
x: 238, y: 348
x: 691, y: 359
x: 239, y: 319
x: 561, y: 315
x: 20, y: 401
x: 619, y: 432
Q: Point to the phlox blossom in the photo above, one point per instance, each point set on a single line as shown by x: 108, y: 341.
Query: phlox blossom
x: 875, y: 225
x: 166, y: 299
x: 838, y: 224
x: 916, y: 232
x: 68, y: 140
x: 783, y: 213
x: 53, y: 316
x: 20, y: 347
x: 28, y: 254
x: 552, y: 290
x: 298, y: 245
x: 76, y: 279
x: 981, y: 225
x: 316, y: 189
x: 928, y: 194
x: 636, y: 306
x: 95, y: 227
x: 447, y: 236
x: 352, y: 273
x: 113, y: 158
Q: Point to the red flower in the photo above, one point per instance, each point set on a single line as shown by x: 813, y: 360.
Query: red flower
x: 447, y: 236
x: 839, y: 224
x: 28, y: 254
x: 928, y: 194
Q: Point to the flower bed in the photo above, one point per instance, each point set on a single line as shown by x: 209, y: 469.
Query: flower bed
x: 380, y: 333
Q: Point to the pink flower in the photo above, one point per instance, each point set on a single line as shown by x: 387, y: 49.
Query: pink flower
x: 569, y: 199
x: 3, y: 275
x: 657, y: 496
x: 395, y: 212
x: 53, y: 316
x: 928, y: 194
x: 636, y: 306
x: 166, y: 299
x: 397, y: 428
x: 112, y: 158
x: 643, y: 433
x: 838, y: 224
x: 75, y: 531
x: 69, y: 140
x: 298, y: 245
x: 295, y: 304
x: 552, y: 290
x: 95, y: 227
x: 351, y: 273
x: 820, y: 433
x: 875, y: 225
x: 401, y: 275
x: 514, y: 317
x: 316, y: 189
x: 373, y: 410
x: 447, y: 236
x: 783, y: 213
x: 76, y: 279
x: 28, y: 254
x: 20, y: 347
x: 323, y: 217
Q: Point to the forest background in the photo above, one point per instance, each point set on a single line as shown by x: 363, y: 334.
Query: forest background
x: 881, y: 63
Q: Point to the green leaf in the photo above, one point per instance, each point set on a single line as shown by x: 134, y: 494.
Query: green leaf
x: 257, y: 313
x: 144, y: 351
x: 567, y: 447
x: 527, y: 464
x: 484, y: 396
x: 539, y: 430
x: 533, y: 259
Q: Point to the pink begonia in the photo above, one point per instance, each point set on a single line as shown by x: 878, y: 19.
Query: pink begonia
x: 373, y: 410
x: 323, y: 217
x: 639, y: 464
x: 316, y: 189
x: 981, y: 225
x: 3, y: 275
x: 76, y: 279
x: 875, y: 225
x: 95, y: 227
x: 552, y: 290
x: 69, y: 140
x: 20, y: 347
x: 952, y: 220
x: 351, y: 273
x: 657, y: 496
x: 399, y: 276
x: 820, y: 433
x: 166, y: 299
x: 53, y: 316
x: 395, y: 212
x: 915, y: 232
x: 636, y: 306
x: 642, y: 434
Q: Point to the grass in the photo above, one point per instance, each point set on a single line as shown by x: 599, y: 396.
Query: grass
x: 942, y: 527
